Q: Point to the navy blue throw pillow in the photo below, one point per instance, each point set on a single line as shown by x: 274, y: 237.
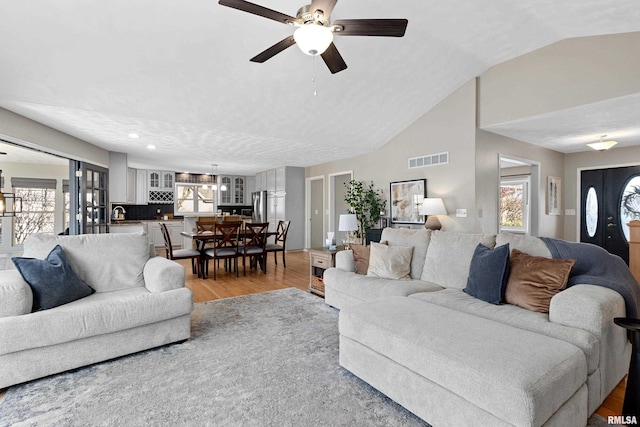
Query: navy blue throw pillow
x: 489, y: 273
x: 52, y: 280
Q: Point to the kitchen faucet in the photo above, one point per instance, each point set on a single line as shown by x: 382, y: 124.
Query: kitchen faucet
x: 118, y: 212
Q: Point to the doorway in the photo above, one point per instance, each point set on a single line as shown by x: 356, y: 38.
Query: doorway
x: 609, y: 199
x: 337, y: 205
x: 315, y: 212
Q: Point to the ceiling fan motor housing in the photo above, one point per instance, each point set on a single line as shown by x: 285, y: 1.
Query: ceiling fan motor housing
x: 307, y: 16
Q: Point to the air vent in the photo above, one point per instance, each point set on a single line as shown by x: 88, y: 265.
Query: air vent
x: 429, y: 160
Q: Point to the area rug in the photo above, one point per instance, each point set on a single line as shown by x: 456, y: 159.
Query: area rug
x: 259, y: 360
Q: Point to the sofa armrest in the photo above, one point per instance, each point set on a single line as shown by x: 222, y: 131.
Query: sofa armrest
x: 161, y: 274
x: 344, y: 260
x: 16, y: 297
x: 587, y: 307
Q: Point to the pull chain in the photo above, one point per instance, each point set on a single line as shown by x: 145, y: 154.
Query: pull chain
x: 313, y: 78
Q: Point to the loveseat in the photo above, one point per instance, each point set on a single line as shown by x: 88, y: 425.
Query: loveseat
x: 138, y: 303
x: 454, y: 359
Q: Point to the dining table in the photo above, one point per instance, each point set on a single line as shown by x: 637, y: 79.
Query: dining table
x: 201, y: 238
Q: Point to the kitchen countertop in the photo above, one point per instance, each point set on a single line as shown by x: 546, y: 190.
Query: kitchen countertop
x: 140, y: 221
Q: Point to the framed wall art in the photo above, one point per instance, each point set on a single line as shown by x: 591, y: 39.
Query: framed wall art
x: 553, y: 195
x: 406, y: 198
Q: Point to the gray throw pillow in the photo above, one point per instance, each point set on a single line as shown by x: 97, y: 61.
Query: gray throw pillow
x: 489, y: 273
x: 52, y: 280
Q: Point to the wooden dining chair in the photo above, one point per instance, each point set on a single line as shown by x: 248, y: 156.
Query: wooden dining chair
x: 254, y: 242
x: 280, y: 241
x: 174, y: 254
x: 225, y: 247
x: 232, y: 218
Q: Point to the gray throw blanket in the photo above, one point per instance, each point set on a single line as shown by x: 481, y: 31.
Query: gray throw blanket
x: 595, y: 266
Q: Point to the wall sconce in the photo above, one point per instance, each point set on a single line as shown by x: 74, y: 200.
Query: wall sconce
x: 431, y: 207
x: 9, y: 203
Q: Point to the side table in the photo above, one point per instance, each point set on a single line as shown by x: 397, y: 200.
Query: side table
x: 320, y: 259
x: 631, y: 405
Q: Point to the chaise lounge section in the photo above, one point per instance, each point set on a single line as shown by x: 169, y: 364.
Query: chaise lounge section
x: 454, y: 359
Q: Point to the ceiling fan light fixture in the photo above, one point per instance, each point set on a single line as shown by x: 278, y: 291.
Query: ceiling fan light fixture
x: 313, y: 39
x: 602, y: 145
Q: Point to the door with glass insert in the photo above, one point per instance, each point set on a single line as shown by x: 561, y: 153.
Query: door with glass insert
x: 610, y: 198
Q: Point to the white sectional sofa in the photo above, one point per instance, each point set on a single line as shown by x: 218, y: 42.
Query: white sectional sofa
x: 453, y: 359
x: 139, y: 303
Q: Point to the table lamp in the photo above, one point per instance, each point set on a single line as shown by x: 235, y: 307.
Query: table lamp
x: 431, y: 207
x: 348, y: 223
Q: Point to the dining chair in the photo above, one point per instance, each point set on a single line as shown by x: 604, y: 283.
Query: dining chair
x: 280, y: 241
x: 232, y: 218
x: 174, y: 254
x: 225, y: 247
x: 254, y: 242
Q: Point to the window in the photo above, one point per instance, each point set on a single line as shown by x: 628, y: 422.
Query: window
x: 38, y: 207
x: 193, y: 199
x: 514, y: 204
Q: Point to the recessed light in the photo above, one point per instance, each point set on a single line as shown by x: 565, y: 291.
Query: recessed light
x: 151, y: 147
x: 134, y: 135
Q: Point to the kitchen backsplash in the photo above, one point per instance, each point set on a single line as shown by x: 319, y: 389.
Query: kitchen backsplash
x: 150, y: 211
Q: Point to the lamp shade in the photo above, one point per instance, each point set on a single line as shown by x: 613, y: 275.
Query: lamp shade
x: 432, y: 206
x: 348, y: 222
x: 313, y: 39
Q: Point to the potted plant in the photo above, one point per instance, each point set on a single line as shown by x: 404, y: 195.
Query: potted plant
x: 366, y: 202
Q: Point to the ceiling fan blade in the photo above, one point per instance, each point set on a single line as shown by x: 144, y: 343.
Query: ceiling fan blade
x: 274, y: 50
x: 333, y: 59
x: 371, y: 27
x: 326, y: 6
x: 255, y: 9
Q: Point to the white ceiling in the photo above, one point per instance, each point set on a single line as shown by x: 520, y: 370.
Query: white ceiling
x: 178, y: 73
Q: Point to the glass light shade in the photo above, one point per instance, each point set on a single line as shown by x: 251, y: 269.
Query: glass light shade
x: 602, y: 145
x: 313, y: 39
x: 432, y: 206
x: 348, y: 222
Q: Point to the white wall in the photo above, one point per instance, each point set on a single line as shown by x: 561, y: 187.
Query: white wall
x: 29, y: 133
x: 566, y: 74
x: 488, y: 148
x: 450, y: 126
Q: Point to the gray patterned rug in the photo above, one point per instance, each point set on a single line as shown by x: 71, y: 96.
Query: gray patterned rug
x: 258, y: 360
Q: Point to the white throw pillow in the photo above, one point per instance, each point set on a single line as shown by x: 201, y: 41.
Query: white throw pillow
x: 449, y: 257
x: 418, y: 238
x: 390, y: 262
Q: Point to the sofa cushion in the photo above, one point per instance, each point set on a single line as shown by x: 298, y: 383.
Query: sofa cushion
x: 52, y: 280
x: 488, y: 273
x: 519, y: 376
x: 417, y: 238
x: 534, y: 280
x: 527, y: 244
x: 361, y: 255
x: 390, y: 262
x: 99, y: 313
x: 16, y: 297
x: 343, y: 288
x: 519, y: 318
x: 106, y: 262
x: 449, y: 257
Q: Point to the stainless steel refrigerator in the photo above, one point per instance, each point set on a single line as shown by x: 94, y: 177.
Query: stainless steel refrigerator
x: 259, y: 201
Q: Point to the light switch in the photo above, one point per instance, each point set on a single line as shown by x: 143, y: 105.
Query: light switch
x: 461, y: 213
x: 315, y: 212
x: 570, y: 212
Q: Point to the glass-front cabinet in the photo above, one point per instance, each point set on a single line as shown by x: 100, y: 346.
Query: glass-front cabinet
x: 235, y: 190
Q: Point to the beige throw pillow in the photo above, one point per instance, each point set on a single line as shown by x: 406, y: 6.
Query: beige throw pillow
x: 390, y: 262
x: 361, y: 255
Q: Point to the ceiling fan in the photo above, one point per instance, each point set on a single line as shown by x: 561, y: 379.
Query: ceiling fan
x: 314, y: 34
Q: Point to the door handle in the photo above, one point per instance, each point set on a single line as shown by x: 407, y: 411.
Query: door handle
x: 611, y: 225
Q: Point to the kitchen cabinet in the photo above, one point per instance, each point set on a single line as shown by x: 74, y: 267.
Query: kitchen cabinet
x: 237, y: 190
x: 121, y: 179
x: 285, y: 193
x: 155, y: 233
x: 142, y: 191
x: 160, y: 186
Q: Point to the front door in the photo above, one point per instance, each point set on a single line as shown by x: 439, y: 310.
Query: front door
x: 609, y: 199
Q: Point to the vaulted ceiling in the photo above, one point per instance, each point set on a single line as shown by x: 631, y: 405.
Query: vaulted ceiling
x: 178, y: 73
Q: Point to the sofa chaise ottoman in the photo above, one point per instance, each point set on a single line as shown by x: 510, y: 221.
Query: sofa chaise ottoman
x: 138, y: 303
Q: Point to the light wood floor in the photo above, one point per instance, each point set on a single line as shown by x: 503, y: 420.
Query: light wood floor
x: 296, y: 274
